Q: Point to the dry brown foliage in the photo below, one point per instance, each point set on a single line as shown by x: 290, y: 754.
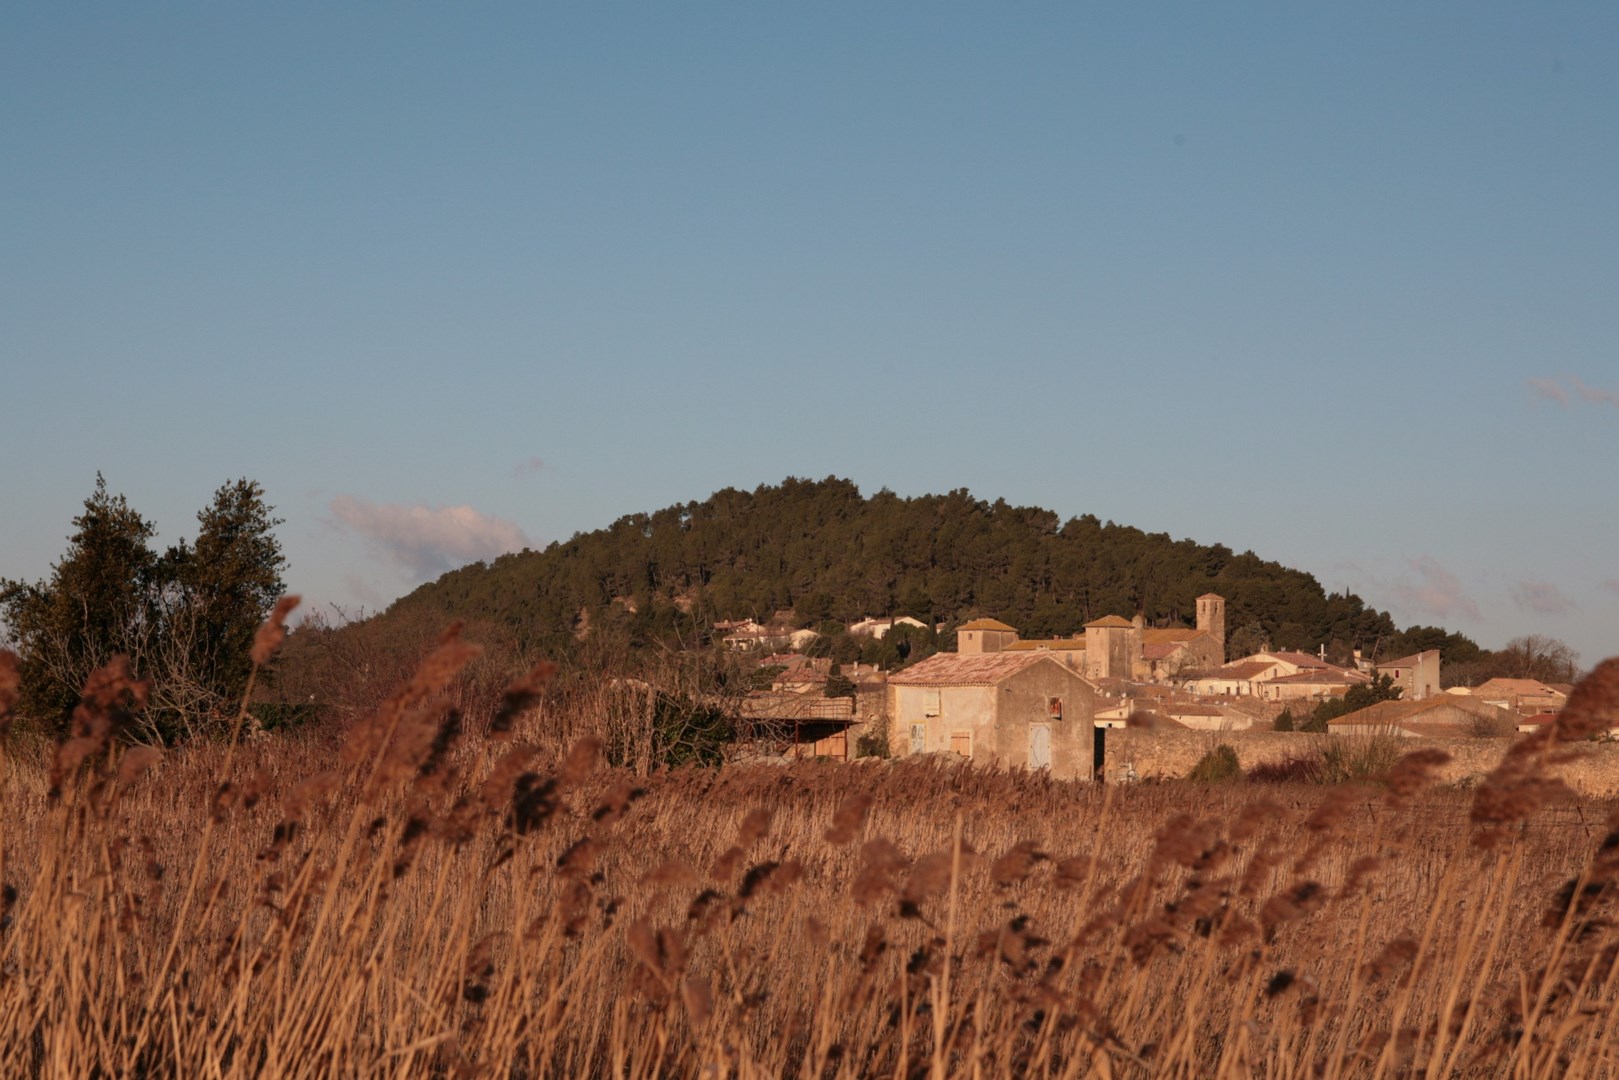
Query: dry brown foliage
x: 429, y: 903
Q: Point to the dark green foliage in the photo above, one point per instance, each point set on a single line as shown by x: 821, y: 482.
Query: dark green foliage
x: 1284, y: 720
x: 1381, y: 688
x: 822, y: 547
x: 99, y: 601
x: 1218, y: 766
x: 221, y: 588
x: 686, y: 733
x: 873, y: 744
x: 838, y: 686
x: 186, y: 619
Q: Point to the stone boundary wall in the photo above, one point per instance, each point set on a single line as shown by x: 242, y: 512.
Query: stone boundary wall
x: 1143, y: 754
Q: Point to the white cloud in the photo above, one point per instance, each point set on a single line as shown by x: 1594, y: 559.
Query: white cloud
x: 428, y: 540
x: 1542, y: 598
x: 1437, y: 591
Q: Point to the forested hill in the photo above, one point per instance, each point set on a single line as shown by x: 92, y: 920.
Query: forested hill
x: 826, y: 551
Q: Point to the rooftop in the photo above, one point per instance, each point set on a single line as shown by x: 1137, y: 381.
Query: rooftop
x: 972, y: 669
x: 1111, y: 621
x: 986, y: 624
x: 1053, y: 644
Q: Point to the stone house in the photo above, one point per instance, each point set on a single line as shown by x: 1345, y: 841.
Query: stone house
x: 1417, y: 674
x: 1243, y: 679
x: 1015, y: 709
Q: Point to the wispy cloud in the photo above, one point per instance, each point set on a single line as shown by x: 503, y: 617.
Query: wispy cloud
x: 1566, y: 395
x: 428, y: 540
x: 1542, y: 598
x: 1436, y: 591
x: 1550, y: 389
x: 527, y: 466
x: 1596, y: 394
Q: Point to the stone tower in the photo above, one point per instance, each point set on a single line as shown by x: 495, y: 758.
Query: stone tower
x: 1211, y: 619
x: 1107, y: 648
x: 984, y: 636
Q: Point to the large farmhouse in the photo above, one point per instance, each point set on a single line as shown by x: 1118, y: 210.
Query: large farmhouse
x: 1012, y: 708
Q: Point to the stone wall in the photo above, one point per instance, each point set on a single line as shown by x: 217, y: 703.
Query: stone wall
x: 1141, y: 754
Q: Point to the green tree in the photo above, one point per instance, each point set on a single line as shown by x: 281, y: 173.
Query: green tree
x: 1380, y: 688
x: 95, y: 604
x: 216, y: 592
x: 186, y: 619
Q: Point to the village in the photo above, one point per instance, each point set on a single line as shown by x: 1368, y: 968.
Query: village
x: 1004, y: 701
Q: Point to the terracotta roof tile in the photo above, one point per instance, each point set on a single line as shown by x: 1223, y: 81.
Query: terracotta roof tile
x: 1111, y: 621
x: 973, y: 669
x: 986, y: 624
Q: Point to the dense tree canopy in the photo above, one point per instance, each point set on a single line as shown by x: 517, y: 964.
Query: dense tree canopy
x: 185, y: 619
x: 828, y: 552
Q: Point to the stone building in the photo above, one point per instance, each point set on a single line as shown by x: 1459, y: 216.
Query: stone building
x: 1417, y: 675
x: 1009, y: 708
x: 1114, y: 647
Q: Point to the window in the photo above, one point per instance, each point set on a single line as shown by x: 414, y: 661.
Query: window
x: 1054, y: 707
x: 930, y: 703
x: 919, y: 738
x: 961, y: 742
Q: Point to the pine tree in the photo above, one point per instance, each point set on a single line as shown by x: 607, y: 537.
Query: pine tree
x: 95, y: 604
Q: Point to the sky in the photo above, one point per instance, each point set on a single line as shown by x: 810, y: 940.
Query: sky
x: 1334, y: 283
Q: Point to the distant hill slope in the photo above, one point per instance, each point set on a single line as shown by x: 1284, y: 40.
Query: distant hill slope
x: 822, y: 548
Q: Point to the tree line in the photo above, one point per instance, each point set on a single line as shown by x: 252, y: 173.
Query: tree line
x: 185, y: 616
x: 827, y: 553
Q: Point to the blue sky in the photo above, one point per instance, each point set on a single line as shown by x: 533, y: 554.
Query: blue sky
x: 1331, y: 283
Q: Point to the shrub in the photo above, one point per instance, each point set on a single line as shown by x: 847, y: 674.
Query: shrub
x: 1218, y: 766
x: 1294, y: 769
x: 1351, y: 758
x: 873, y: 743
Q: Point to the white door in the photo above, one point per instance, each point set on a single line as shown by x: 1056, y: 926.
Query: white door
x: 1039, y: 746
x: 919, y: 738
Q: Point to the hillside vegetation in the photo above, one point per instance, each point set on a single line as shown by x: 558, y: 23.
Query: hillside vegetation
x: 828, y: 552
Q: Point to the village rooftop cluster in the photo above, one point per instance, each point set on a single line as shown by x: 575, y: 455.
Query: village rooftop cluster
x: 1002, y: 700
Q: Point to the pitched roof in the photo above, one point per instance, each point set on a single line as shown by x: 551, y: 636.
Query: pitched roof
x: 1243, y: 670
x: 1325, y: 676
x: 1297, y: 659
x: 986, y: 624
x: 1169, y: 634
x: 1066, y: 644
x: 1516, y: 686
x: 1211, y: 596
x: 1405, y: 661
x: 971, y: 669
x: 1110, y: 621
x: 1159, y: 651
x: 1397, y: 712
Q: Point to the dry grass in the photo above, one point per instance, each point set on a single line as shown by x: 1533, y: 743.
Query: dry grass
x: 411, y: 902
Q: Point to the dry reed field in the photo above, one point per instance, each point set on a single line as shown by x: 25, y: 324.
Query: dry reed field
x: 419, y: 900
